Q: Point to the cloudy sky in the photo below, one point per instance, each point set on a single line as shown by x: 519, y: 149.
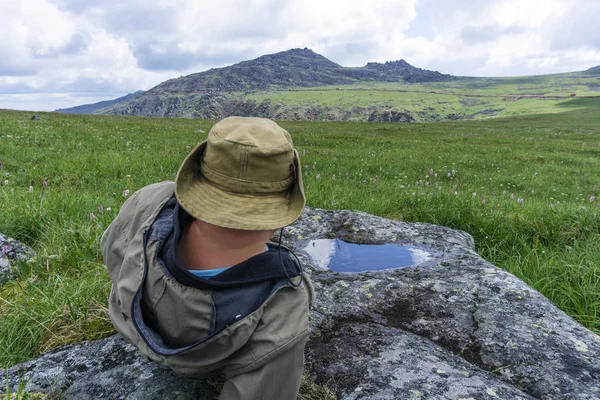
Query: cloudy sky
x: 62, y: 53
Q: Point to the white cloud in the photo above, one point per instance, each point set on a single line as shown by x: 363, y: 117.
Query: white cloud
x: 70, y: 49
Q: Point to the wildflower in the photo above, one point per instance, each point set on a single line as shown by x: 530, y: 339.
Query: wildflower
x: 30, y: 189
x: 435, y: 175
x: 333, y: 177
x: 100, y: 209
x: 6, y: 181
x: 504, y: 192
x: 44, y: 183
x: 592, y: 199
x: 318, y: 176
x: 315, y: 165
x: 125, y: 192
x: 426, y: 183
x: 188, y: 147
x: 482, y: 199
x: 595, y: 186
x: 455, y: 186
x: 0, y: 165
x: 456, y: 193
x: 436, y: 184
x: 5, y: 249
x: 453, y: 172
x: 365, y: 182
x: 520, y: 201
x: 532, y: 192
x: 512, y: 196
x: 375, y: 180
x: 448, y: 174
x: 92, y: 217
x: 551, y: 205
x: 474, y: 194
x: 346, y: 175
x: 431, y: 171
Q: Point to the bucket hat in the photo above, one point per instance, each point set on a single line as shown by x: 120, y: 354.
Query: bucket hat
x: 245, y: 175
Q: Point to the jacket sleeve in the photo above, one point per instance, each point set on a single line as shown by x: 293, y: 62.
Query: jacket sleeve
x: 278, y: 379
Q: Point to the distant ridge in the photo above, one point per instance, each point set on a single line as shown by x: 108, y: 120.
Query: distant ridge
x: 95, y: 107
x: 594, y: 70
x: 215, y: 93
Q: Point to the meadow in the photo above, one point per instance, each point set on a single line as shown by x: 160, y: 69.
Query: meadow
x: 464, y: 98
x: 525, y: 187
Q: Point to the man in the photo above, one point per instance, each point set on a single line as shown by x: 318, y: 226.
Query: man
x: 196, y: 286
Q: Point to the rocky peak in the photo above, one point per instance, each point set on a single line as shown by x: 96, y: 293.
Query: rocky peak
x: 389, y: 65
x: 297, y: 58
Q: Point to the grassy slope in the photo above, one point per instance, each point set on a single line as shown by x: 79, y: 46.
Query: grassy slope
x: 91, y: 160
x: 436, y: 100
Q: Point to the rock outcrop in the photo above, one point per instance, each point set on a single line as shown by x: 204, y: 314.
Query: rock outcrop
x: 454, y: 327
x: 11, y: 249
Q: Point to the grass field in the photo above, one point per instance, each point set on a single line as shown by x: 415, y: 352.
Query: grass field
x: 467, y: 98
x: 524, y: 187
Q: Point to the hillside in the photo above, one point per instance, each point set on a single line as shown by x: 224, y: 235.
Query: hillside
x: 220, y: 92
x: 300, y: 84
x: 594, y: 70
x: 95, y: 107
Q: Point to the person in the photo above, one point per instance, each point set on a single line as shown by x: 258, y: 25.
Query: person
x: 197, y: 285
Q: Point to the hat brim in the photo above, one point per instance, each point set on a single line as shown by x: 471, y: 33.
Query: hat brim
x: 208, y: 203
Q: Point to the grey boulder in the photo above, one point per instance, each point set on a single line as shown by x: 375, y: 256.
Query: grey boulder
x: 452, y: 326
x: 11, y: 249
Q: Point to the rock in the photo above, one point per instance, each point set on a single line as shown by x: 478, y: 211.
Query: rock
x: 456, y: 327
x: 5, y: 271
x: 388, y: 333
x: 35, y: 118
x: 391, y: 116
x: 11, y: 249
x: 109, y: 368
x: 454, y: 116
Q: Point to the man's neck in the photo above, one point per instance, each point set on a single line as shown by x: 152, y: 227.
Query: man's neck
x: 206, y: 246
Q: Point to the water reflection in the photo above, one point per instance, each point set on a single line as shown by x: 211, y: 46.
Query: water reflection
x: 340, y: 256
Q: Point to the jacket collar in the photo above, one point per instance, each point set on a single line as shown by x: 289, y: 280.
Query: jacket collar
x: 167, y: 230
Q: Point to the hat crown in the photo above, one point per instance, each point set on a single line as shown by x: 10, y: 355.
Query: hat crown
x: 248, y: 156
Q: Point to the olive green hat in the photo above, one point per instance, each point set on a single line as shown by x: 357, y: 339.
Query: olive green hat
x: 246, y: 175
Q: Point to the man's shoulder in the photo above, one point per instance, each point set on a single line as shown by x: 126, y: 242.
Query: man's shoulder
x: 143, y: 205
x: 155, y: 192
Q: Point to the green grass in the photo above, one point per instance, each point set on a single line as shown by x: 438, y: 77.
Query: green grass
x: 474, y: 98
x: 90, y: 160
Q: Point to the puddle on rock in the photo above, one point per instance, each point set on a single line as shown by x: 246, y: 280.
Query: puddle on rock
x: 340, y: 256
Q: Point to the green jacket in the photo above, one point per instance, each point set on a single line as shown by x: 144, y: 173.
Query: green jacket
x: 260, y: 353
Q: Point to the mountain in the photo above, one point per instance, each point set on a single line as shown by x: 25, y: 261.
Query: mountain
x: 594, y: 70
x: 95, y: 107
x: 293, y: 68
x: 220, y: 92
